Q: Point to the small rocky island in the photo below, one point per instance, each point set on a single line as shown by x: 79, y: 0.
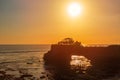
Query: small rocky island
x: 70, y: 57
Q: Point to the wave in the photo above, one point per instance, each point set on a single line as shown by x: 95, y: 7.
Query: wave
x: 4, y: 62
x: 20, y: 51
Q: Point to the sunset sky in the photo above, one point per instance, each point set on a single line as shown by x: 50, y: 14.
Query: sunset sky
x: 47, y: 21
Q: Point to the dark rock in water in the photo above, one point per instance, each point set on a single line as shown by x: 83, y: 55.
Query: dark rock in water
x: 18, y: 79
x: 105, y: 60
x: 43, y: 73
x: 8, y: 77
x: 30, y: 62
x: 26, y: 75
x: 42, y: 77
x: 23, y: 71
x: 2, y: 72
x: 2, y: 78
x: 39, y: 61
x: 5, y: 76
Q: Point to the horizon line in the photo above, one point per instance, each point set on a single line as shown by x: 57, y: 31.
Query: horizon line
x: 56, y: 43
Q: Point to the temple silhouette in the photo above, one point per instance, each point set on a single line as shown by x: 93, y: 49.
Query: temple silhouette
x: 104, y: 59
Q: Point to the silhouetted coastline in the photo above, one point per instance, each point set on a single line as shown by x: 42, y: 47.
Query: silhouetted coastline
x: 105, y: 60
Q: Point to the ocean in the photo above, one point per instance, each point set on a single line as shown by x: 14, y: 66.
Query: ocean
x: 25, y: 62
x: 21, y: 60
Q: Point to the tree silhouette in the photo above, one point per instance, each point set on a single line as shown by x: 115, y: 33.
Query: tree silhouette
x: 66, y: 41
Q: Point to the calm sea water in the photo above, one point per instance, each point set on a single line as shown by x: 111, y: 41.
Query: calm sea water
x: 17, y: 60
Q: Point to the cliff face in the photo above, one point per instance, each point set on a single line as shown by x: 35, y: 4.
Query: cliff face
x: 105, y: 60
x: 101, y: 57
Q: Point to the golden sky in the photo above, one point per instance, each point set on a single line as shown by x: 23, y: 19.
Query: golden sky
x: 47, y: 21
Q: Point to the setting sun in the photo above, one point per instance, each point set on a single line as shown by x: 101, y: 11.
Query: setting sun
x: 74, y: 9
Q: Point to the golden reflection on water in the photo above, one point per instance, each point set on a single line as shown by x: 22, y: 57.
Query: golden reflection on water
x: 80, y: 62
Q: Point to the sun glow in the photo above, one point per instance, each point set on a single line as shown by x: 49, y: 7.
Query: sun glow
x: 74, y: 9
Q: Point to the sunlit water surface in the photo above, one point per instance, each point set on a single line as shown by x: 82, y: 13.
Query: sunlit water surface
x: 28, y: 60
x: 80, y: 63
x: 23, y: 60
